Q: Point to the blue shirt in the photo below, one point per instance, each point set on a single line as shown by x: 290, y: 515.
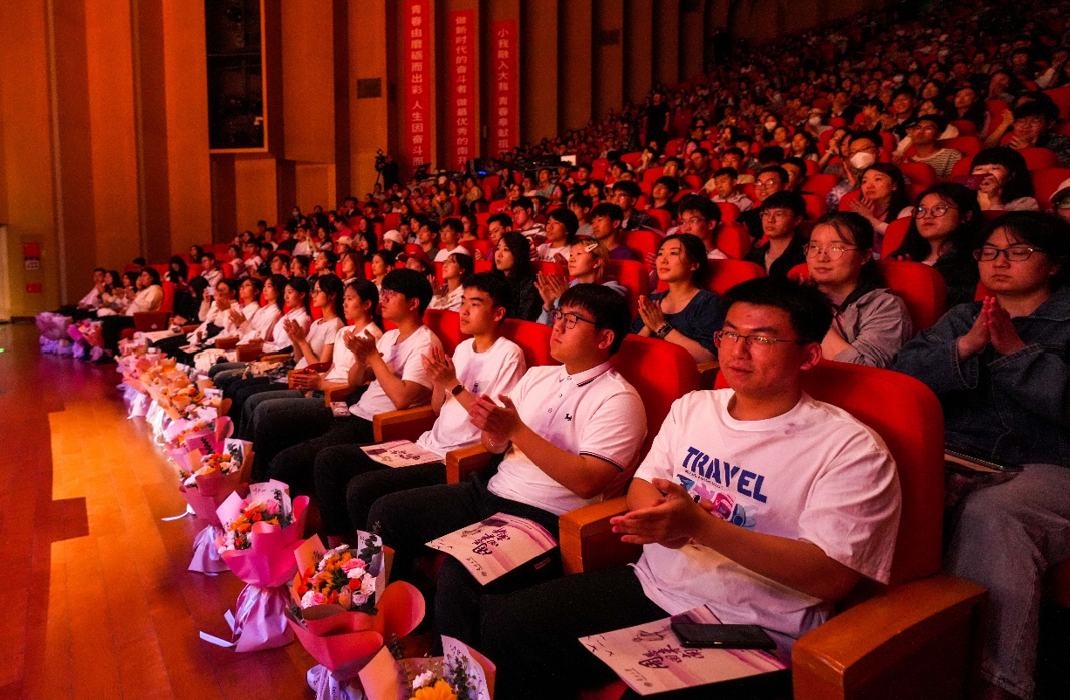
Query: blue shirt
x: 698, y: 320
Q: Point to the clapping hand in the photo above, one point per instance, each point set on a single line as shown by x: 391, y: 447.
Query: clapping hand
x: 550, y: 288
x: 651, y: 313
x: 670, y: 521
x: 294, y: 330
x: 362, y: 346
x: 1001, y: 331
x: 441, y: 368
x: 500, y: 422
x: 237, y: 317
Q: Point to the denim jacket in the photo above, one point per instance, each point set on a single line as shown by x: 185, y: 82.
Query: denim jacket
x: 1014, y: 407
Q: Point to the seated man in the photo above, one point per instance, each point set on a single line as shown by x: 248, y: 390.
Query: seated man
x: 524, y: 221
x: 724, y: 183
x: 567, y: 433
x: 290, y: 443
x: 486, y: 364
x: 1033, y: 122
x: 768, y: 182
x: 607, y: 226
x: 776, y: 546
x: 781, y: 215
x: 924, y: 133
x: 626, y: 193
x: 700, y: 217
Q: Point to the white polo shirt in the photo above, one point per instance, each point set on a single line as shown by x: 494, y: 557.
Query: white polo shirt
x: 596, y: 413
x: 813, y: 474
x: 404, y: 360
x: 343, y: 356
x: 489, y: 373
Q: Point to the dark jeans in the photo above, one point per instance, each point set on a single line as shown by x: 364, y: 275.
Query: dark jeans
x: 348, y: 482
x: 533, y: 638
x: 300, y: 436
x: 410, y: 519
x: 111, y: 328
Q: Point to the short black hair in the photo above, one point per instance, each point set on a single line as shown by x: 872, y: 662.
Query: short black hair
x: 153, y: 274
x: 807, y: 306
x: 628, y: 187
x: 786, y: 200
x: 707, y: 209
x: 410, y: 284
x: 495, y: 286
x: 454, y: 223
x: 572, y: 224
x: 771, y: 154
x: 608, y: 309
x: 581, y: 200
x: 523, y: 203
x: 1037, y: 108
x: 608, y: 209
x: 1048, y: 232
x: 210, y: 256
x: 669, y: 183
x: 735, y: 151
x: 780, y: 172
x: 303, y: 260
x: 504, y: 220
x: 726, y: 172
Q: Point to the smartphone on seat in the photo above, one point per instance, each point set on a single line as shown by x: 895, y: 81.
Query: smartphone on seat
x: 709, y: 636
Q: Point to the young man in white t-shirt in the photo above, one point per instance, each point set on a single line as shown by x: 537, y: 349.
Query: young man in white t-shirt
x: 448, y: 236
x: 561, y: 227
x: 398, y: 380
x: 568, y: 433
x: 348, y: 481
x: 756, y: 501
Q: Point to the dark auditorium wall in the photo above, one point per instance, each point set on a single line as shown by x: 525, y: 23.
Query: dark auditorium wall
x: 103, y: 108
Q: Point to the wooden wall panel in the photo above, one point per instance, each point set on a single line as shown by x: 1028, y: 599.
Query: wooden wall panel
x: 608, y: 57
x: 538, y: 70
x: 574, y: 64
x: 638, y: 49
x: 666, y: 42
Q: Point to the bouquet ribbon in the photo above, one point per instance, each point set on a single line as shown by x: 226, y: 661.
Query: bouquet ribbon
x: 206, y: 558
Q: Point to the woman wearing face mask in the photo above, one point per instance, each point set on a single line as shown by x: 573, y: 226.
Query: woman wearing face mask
x: 870, y: 323
x: 769, y: 125
x: 999, y: 368
x: 883, y: 199
x: 1006, y: 185
x: 942, y: 233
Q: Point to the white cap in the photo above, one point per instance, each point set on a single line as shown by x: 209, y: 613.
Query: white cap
x: 1061, y: 191
x: 393, y: 235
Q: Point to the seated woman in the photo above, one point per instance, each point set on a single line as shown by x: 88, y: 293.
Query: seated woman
x: 359, y: 303
x: 1000, y: 368
x: 871, y: 323
x: 588, y: 263
x: 455, y: 270
x: 235, y: 265
x: 352, y: 266
x: 382, y: 263
x: 267, y: 325
x: 1006, y: 185
x: 942, y: 234
x: 686, y: 313
x: 316, y: 346
x: 512, y: 259
x: 884, y: 199
x: 148, y: 297
x: 214, y: 318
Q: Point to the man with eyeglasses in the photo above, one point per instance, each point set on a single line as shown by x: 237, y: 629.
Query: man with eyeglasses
x: 767, y: 182
x: 923, y: 133
x: 756, y: 501
x: 700, y: 217
x: 567, y: 433
x: 781, y: 215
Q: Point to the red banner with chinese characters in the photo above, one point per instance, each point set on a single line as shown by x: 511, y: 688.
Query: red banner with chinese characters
x: 418, y: 82
x: 461, y: 137
x: 505, y: 103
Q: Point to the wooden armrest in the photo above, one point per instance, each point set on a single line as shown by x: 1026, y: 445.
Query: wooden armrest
x: 280, y: 357
x: 228, y: 343
x: 919, y: 638
x: 587, y: 539
x: 190, y: 327
x: 336, y: 391
x: 406, y: 424
x: 707, y: 372
x: 467, y: 460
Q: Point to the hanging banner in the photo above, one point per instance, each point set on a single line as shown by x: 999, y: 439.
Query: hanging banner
x: 463, y: 101
x: 505, y: 103
x: 417, y: 81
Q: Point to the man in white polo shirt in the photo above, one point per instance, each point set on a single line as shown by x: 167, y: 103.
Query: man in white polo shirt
x: 348, y: 481
x: 756, y: 501
x: 567, y: 433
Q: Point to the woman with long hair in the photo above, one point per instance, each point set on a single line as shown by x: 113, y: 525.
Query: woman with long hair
x: 883, y: 199
x: 455, y: 270
x: 512, y: 259
x: 1006, y: 184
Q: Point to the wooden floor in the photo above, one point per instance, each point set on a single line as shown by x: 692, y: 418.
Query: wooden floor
x: 98, y: 602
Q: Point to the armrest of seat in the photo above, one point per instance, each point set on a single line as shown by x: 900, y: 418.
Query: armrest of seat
x: 707, y: 372
x: 467, y: 460
x: 190, y: 327
x: 588, y: 542
x: 919, y: 638
x: 406, y: 424
x: 280, y: 357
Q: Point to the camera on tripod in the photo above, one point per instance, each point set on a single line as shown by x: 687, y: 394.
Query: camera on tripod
x: 380, y: 160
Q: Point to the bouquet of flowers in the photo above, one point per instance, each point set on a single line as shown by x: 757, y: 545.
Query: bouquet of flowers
x: 260, y: 534
x: 343, y: 612
x: 221, y: 473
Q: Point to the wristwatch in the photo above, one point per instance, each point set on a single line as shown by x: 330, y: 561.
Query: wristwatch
x: 663, y: 331
x: 457, y: 389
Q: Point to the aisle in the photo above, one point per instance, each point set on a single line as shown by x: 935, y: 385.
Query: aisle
x: 98, y: 602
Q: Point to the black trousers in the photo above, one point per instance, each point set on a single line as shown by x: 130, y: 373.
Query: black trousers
x: 532, y: 636
x: 348, y: 482
x: 302, y: 438
x: 409, y: 519
x: 111, y: 328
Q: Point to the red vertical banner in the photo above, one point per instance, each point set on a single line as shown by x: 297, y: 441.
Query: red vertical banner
x: 461, y: 139
x: 417, y: 81
x: 504, y: 115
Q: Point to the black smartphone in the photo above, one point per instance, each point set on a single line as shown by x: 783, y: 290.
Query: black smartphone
x: 706, y: 636
x: 973, y: 182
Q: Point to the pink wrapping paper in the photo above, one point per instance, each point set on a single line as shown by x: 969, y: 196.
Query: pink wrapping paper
x: 212, y: 489
x: 260, y: 618
x: 206, y: 559
x: 327, y: 687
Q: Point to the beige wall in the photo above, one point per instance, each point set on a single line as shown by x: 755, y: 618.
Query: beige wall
x: 104, y: 125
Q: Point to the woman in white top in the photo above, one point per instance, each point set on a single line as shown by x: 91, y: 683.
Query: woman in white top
x: 382, y: 263
x: 148, y: 298
x: 258, y: 324
x: 317, y: 344
x: 352, y: 262
x: 215, y: 318
x: 455, y: 270
x: 1007, y: 185
x: 236, y: 264
x: 588, y: 260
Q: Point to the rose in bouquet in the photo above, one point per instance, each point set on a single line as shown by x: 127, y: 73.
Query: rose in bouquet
x: 344, y: 613
x: 261, y: 532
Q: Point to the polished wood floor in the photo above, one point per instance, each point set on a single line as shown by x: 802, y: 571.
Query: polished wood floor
x: 98, y: 602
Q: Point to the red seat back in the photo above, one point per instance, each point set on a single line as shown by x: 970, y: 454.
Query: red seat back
x: 969, y: 145
x: 447, y: 326
x: 663, y: 218
x: 533, y: 339
x: 965, y: 127
x: 168, y: 303
x: 820, y: 185
x: 1039, y: 158
x: 1061, y: 97
x: 631, y: 275
x: 919, y: 173
x: 646, y: 242
x: 734, y: 240
x: 908, y: 416
x: 497, y: 206
x: 729, y: 273
x: 894, y: 235
x: 729, y: 212
x: 1046, y: 181
x: 815, y: 206
x: 552, y: 268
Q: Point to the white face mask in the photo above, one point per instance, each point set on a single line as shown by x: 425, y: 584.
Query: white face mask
x: 769, y: 126
x: 815, y: 121
x: 862, y: 160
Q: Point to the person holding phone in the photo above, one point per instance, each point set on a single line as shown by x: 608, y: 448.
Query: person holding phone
x: 1002, y: 181
x: 726, y: 519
